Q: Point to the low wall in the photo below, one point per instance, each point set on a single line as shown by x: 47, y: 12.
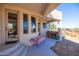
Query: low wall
x: 26, y: 38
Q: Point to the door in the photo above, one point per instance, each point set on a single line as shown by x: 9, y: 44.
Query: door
x: 12, y: 27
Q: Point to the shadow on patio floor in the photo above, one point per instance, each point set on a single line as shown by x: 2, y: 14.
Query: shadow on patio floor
x: 43, y: 49
x: 66, y: 48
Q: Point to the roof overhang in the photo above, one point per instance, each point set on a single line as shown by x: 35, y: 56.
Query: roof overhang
x: 40, y: 8
x: 50, y: 8
x: 55, y: 15
x: 47, y: 19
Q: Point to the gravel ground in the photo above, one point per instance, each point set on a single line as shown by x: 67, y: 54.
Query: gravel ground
x: 66, y: 48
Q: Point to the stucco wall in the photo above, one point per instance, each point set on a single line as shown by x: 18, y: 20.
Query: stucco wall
x: 0, y: 23
x: 24, y: 38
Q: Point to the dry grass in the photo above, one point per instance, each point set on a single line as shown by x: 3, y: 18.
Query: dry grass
x: 71, y: 34
x: 69, y: 46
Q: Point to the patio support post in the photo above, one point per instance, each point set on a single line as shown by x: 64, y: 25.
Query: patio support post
x: 3, y: 40
x: 41, y: 26
x: 20, y: 25
x: 29, y: 23
x: 37, y: 25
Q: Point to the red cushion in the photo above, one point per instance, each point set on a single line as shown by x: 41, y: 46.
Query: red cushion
x: 37, y: 40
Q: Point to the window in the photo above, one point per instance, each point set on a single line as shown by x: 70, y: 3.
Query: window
x: 33, y: 24
x: 45, y: 25
x: 25, y: 23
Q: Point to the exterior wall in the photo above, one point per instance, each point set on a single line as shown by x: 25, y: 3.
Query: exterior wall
x: 24, y: 38
x: 2, y: 26
x: 42, y: 30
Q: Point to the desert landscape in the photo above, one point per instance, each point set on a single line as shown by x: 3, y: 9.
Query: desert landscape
x: 69, y: 46
x: 71, y: 34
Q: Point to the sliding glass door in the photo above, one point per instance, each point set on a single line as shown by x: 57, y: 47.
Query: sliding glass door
x: 12, y: 27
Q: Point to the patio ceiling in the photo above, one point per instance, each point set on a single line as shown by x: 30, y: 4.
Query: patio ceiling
x: 48, y: 19
x: 41, y: 8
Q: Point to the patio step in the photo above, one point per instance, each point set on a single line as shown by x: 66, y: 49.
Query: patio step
x: 24, y: 52
x: 17, y: 50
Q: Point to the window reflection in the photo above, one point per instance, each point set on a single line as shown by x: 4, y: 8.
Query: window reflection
x: 45, y: 25
x: 33, y: 24
x: 12, y: 25
x: 25, y: 23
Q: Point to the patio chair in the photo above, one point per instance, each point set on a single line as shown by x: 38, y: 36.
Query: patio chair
x: 37, y: 40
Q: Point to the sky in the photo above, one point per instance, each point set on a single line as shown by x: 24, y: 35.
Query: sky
x: 70, y: 15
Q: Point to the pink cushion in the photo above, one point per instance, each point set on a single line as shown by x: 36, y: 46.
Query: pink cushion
x: 37, y: 40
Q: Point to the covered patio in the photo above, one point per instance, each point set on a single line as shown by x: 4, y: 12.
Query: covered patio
x: 44, y: 49
x: 22, y: 22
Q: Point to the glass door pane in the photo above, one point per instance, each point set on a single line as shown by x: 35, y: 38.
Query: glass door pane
x: 12, y: 25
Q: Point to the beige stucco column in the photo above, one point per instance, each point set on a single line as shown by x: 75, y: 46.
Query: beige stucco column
x: 3, y: 26
x: 20, y: 25
x: 41, y: 26
x: 29, y: 23
x: 37, y: 25
x: 0, y: 24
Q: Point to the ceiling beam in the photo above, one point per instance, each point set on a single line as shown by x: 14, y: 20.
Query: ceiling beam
x: 50, y: 7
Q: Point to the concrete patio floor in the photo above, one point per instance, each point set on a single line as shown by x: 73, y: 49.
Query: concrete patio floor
x: 4, y: 47
x: 43, y: 49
